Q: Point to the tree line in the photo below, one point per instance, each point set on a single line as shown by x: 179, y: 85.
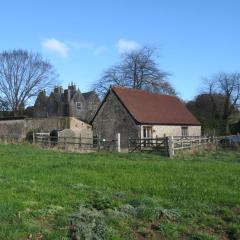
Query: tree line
x: 23, y: 75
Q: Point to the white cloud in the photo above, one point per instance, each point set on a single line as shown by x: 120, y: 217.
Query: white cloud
x: 56, y: 46
x: 64, y: 48
x: 127, y: 46
x: 99, y: 51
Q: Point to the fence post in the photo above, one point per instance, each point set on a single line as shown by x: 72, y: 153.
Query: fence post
x: 171, y: 146
x: 80, y: 141
x: 98, y: 143
x: 119, y: 142
x: 129, y: 144
x: 34, y: 140
x: 64, y: 142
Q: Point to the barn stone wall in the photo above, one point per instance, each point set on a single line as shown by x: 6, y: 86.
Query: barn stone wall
x: 113, y: 118
x: 168, y: 130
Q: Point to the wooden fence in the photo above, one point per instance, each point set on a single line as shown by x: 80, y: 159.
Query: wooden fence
x: 171, y: 145
x: 74, y: 143
x: 149, y: 144
x: 65, y: 142
x: 168, y: 146
x: 176, y: 144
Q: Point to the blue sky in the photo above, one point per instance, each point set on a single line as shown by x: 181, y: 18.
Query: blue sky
x: 197, y: 38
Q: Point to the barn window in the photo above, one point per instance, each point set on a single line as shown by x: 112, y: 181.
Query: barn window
x: 184, y: 131
x: 147, y: 132
x: 79, y: 105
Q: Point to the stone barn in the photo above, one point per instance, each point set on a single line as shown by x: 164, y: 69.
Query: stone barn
x: 141, y: 114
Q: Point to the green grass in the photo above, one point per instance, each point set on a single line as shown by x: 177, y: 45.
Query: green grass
x: 138, y: 195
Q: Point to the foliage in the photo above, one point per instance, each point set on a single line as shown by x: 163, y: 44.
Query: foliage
x: 88, y: 224
x: 202, y: 107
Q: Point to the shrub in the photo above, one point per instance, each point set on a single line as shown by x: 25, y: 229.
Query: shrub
x: 100, y: 202
x: 88, y: 224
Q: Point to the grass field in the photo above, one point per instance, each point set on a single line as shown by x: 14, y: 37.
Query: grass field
x: 118, y: 196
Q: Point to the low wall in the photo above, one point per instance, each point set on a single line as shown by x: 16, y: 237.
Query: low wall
x: 18, y: 129
x: 82, y: 128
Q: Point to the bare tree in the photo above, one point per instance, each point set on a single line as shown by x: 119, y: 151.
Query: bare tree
x: 3, y: 105
x: 227, y: 85
x: 137, y: 69
x: 22, y: 76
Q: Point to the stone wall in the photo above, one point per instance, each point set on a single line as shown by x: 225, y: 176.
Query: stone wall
x: 18, y: 129
x: 113, y: 118
x: 92, y: 105
x: 73, y: 110
x: 168, y: 130
x: 84, y: 129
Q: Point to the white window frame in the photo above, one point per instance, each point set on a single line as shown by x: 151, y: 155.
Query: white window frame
x: 184, y: 131
x: 149, y: 131
x: 79, y: 106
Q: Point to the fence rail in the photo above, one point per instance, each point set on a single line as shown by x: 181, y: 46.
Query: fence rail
x: 168, y: 146
x: 171, y: 145
x: 45, y: 139
x: 74, y: 143
x: 148, y: 144
x: 177, y: 143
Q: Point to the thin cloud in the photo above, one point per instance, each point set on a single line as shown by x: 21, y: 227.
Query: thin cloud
x: 99, y: 51
x: 56, y: 46
x: 127, y: 46
x: 63, y: 49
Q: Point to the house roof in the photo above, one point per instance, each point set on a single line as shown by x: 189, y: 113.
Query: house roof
x: 154, y: 108
x: 86, y: 95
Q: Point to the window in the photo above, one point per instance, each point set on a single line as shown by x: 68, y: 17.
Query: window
x: 147, y: 132
x: 184, y: 131
x: 147, y: 135
x: 79, y: 105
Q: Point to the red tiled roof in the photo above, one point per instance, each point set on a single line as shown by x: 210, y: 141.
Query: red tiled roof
x: 153, y: 108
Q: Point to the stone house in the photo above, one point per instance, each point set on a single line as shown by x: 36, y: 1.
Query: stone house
x: 68, y: 103
x: 140, y: 114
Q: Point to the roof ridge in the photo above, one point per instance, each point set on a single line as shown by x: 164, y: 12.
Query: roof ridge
x: 144, y: 90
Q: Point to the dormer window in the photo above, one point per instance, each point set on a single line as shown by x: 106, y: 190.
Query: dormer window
x: 78, y: 106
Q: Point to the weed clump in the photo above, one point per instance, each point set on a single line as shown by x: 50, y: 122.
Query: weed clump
x: 88, y: 223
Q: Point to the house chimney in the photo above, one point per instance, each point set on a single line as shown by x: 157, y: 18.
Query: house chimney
x: 58, y: 90
x: 67, y: 95
x: 72, y: 87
